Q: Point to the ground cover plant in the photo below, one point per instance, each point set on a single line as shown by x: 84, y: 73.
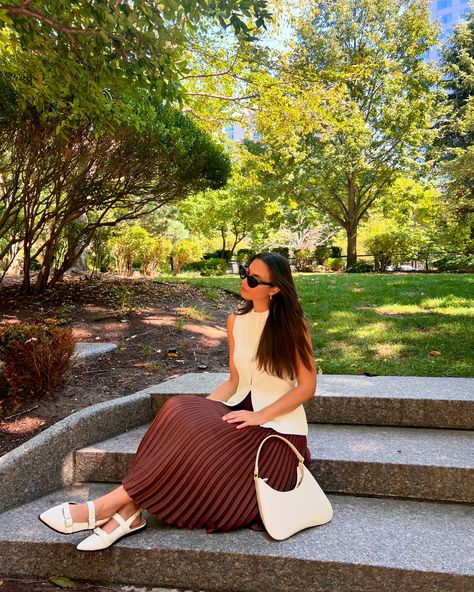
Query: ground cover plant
x: 399, y: 324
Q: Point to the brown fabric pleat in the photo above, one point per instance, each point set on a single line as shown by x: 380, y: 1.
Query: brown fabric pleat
x: 194, y: 470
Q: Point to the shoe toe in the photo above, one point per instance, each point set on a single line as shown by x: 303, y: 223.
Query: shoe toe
x: 91, y: 543
x: 53, y: 518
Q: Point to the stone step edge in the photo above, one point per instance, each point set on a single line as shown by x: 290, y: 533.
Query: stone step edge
x: 341, y: 555
x: 371, y: 477
x: 332, y: 405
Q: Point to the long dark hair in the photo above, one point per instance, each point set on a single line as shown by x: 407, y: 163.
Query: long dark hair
x: 284, y: 335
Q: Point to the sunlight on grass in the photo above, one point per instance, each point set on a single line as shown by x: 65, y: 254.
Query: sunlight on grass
x: 387, y: 350
x: 382, y: 324
x: 372, y: 330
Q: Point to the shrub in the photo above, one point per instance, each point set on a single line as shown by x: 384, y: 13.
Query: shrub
x: 214, y: 266
x: 185, y: 251
x: 360, y: 267
x: 334, y: 263
x: 244, y: 255
x: 454, y: 263
x: 302, y: 258
x: 391, y: 247
x: 219, y: 254
x: 35, y: 357
x: 335, y: 251
x: 322, y: 252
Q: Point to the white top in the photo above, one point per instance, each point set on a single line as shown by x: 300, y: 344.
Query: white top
x: 265, y: 388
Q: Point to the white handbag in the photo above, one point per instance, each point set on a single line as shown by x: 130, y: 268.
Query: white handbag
x: 285, y: 512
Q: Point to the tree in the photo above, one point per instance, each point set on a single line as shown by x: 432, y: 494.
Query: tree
x: 80, y: 61
x: 457, y: 130
x: 50, y: 180
x: 355, y: 106
x: 232, y: 211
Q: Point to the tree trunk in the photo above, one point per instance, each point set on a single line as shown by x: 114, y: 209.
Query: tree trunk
x: 78, y: 258
x: 351, y: 228
x: 351, y: 245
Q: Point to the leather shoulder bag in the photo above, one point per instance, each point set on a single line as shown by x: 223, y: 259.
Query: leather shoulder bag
x: 284, y: 513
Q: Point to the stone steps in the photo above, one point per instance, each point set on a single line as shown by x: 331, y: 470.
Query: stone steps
x: 370, y: 545
x: 415, y: 463
x: 394, y: 454
x: 411, y: 401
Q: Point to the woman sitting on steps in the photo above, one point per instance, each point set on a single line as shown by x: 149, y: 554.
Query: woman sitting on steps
x: 194, y: 465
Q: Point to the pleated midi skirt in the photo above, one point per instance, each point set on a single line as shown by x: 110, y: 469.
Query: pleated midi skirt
x: 194, y: 470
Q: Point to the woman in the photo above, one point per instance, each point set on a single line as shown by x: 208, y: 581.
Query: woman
x: 194, y: 465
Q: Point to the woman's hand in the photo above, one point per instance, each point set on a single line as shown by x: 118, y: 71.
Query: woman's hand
x: 243, y: 418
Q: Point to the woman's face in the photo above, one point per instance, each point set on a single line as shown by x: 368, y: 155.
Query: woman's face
x: 261, y: 271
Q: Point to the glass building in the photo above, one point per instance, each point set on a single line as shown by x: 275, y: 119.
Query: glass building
x: 447, y: 13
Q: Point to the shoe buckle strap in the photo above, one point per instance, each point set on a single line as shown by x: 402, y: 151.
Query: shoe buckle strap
x: 103, y: 535
x: 91, y: 518
x: 68, y: 521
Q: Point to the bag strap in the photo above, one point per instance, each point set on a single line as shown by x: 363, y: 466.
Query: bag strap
x: 295, y: 450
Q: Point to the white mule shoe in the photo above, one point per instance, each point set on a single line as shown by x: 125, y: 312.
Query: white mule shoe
x: 101, y: 539
x: 59, y: 519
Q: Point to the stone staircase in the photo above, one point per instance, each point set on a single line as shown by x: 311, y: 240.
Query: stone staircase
x: 394, y: 454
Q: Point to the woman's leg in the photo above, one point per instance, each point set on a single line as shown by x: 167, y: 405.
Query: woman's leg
x: 106, y: 505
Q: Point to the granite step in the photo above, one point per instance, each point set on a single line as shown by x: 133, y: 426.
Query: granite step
x: 419, y: 463
x: 412, y: 401
x: 370, y: 545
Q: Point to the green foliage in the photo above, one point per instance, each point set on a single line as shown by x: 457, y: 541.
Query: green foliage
x: 355, y: 106
x: 84, y: 60
x: 134, y: 248
x: 391, y: 248
x: 214, y: 266
x: 334, y: 263
x: 219, y: 254
x: 457, y: 128
x: 244, y: 255
x: 35, y: 357
x: 302, y: 259
x: 322, y: 252
x: 185, y: 251
x: 360, y: 267
x: 454, y: 263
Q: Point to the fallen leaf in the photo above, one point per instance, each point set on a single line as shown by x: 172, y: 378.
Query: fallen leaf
x: 62, y: 582
x: 435, y: 353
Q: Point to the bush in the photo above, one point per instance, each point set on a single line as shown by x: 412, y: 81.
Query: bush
x: 360, y: 268
x: 334, y: 263
x: 454, y: 263
x: 322, y: 252
x: 35, y: 357
x: 244, y: 255
x: 185, y: 251
x: 302, y: 259
x: 219, y: 254
x: 392, y: 247
x: 335, y: 251
x: 214, y: 266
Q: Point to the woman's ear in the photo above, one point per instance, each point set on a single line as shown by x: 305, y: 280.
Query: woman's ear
x: 274, y: 291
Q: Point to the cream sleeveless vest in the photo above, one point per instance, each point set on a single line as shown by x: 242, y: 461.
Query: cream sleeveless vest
x: 265, y: 388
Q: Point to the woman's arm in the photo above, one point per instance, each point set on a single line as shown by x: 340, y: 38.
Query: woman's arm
x: 305, y: 389
x: 225, y: 391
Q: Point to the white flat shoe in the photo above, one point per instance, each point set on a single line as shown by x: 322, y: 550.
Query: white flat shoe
x: 101, y: 539
x: 59, y: 518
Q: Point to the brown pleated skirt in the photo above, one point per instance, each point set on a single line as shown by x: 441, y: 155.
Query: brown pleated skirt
x: 194, y: 470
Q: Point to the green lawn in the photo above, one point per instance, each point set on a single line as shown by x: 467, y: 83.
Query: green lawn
x: 382, y: 324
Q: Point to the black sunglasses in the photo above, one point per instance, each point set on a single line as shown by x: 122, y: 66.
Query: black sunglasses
x: 252, y: 281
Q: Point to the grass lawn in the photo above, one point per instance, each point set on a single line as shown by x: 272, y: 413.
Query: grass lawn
x: 381, y: 324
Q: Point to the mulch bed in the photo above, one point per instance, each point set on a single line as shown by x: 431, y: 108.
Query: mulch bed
x: 145, y: 318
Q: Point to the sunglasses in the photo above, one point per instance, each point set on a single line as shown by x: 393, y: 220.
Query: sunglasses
x: 252, y: 281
